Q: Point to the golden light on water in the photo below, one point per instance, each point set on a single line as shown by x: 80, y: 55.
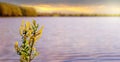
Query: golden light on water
x: 72, y: 9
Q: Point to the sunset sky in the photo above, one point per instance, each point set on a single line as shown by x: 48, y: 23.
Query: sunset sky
x: 71, y: 6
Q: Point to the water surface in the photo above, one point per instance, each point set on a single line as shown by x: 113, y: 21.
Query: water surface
x: 66, y: 39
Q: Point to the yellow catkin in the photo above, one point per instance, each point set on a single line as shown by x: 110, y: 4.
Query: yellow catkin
x: 29, y: 33
x: 35, y: 39
x: 36, y: 53
x: 27, y: 25
x: 16, y: 45
x: 22, y: 28
x: 23, y: 22
x: 40, y: 33
x: 41, y: 29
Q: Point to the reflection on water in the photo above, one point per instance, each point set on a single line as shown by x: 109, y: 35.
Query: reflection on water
x: 65, y: 39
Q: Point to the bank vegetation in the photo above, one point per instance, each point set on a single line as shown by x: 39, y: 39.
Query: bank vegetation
x: 7, y: 9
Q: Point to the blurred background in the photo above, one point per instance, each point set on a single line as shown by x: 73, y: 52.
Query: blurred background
x: 60, y: 8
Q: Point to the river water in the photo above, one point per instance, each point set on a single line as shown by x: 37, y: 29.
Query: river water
x: 66, y: 39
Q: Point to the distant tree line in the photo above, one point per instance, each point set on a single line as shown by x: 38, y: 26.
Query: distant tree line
x: 58, y: 14
x: 7, y: 9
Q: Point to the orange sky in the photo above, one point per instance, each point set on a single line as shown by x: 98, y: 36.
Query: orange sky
x: 100, y: 9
